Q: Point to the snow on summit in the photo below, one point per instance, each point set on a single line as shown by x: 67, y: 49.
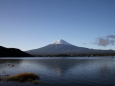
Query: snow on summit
x: 61, y: 42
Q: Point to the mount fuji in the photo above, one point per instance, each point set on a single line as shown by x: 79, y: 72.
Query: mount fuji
x: 61, y: 47
x: 61, y: 42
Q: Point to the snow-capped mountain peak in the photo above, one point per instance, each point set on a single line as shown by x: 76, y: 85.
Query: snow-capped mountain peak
x: 61, y: 47
x: 61, y: 42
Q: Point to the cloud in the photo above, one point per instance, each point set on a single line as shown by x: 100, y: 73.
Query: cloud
x: 112, y: 42
x: 102, y: 42
x: 111, y: 36
x: 105, y: 41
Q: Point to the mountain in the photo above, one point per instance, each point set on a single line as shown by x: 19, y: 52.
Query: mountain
x: 12, y: 52
x: 61, y: 42
x: 62, y: 47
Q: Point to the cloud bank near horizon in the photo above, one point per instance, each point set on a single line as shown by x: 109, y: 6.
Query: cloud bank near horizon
x: 105, y: 41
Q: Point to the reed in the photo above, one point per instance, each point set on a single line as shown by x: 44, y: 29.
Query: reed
x: 35, y: 81
x: 24, y: 77
x: 0, y: 78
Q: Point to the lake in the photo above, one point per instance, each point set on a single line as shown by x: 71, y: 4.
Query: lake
x: 61, y: 71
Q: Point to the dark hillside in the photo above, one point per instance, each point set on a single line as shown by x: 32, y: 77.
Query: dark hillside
x: 12, y: 52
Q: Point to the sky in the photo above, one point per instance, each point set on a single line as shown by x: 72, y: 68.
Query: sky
x: 31, y: 24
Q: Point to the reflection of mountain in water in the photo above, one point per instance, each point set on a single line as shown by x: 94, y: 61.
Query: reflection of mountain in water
x: 64, y: 71
x: 60, y: 66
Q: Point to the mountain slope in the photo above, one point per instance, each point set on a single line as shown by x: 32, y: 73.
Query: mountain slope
x: 12, y: 52
x: 62, y: 47
x: 61, y: 42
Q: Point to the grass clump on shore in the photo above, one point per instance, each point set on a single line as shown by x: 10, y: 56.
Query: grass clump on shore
x: 24, y: 77
x: 35, y: 81
x: 0, y: 78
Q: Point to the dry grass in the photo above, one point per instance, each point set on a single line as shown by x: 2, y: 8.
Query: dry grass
x: 0, y: 78
x: 24, y: 77
x: 35, y: 81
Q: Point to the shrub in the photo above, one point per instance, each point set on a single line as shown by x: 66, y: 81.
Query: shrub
x: 0, y: 78
x: 7, y: 75
x: 35, y: 81
x: 23, y: 77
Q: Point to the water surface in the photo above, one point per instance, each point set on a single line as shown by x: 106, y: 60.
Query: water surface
x: 62, y: 71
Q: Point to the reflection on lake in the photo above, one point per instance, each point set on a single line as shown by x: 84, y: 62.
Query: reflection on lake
x: 62, y: 71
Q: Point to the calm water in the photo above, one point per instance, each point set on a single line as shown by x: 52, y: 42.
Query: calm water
x: 65, y: 71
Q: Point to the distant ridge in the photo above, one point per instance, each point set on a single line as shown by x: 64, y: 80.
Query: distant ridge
x: 12, y: 52
x: 63, y: 48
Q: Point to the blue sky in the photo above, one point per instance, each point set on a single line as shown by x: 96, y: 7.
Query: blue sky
x: 31, y: 24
